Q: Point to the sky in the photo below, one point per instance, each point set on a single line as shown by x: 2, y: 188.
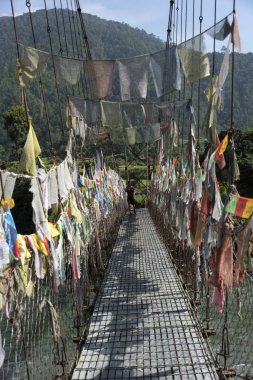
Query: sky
x: 152, y: 15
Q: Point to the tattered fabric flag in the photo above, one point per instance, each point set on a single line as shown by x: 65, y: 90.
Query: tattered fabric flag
x: 8, y: 183
x: 173, y: 132
x: 100, y: 75
x: 133, y: 75
x: 130, y: 135
x: 110, y: 114
x: 144, y: 131
x: 240, y: 206
x: 132, y: 114
x: 233, y: 169
x: 211, y: 115
x: 222, y: 147
x: 165, y: 70
x: 91, y: 111
x: 2, y: 352
x: 220, y: 30
x: 69, y: 69
x: 194, y: 59
x: 223, y: 74
x: 10, y: 231
x: 243, y: 257
x: 155, y: 132
x: 31, y: 150
x: 235, y: 34
x: 31, y: 64
x: 148, y: 112
x: 219, y: 158
x: 81, y: 108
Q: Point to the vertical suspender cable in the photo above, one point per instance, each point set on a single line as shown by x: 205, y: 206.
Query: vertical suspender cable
x: 76, y: 40
x: 56, y: 84
x: 232, y: 77
x: 86, y: 45
x: 200, y: 47
x: 184, y: 86
x: 82, y: 53
x: 70, y: 28
x: 28, y: 4
x: 23, y: 92
x: 58, y: 29
x: 74, y: 27
x: 214, y: 39
x: 193, y: 33
x: 64, y: 29
x: 169, y: 24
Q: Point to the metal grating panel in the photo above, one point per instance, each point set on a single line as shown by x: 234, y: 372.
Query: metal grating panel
x: 142, y: 326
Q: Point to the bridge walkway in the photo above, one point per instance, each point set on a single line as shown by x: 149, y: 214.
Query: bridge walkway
x: 143, y: 326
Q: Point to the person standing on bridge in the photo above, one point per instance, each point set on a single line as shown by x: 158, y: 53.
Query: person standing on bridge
x: 130, y: 196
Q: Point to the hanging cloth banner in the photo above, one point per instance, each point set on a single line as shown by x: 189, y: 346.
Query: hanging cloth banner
x: 155, y: 132
x: 240, y: 206
x: 133, y: 77
x: 144, y: 131
x: 148, y: 110
x: 220, y: 30
x: 223, y: 75
x: 110, y: 114
x: 130, y: 135
x: 132, y: 114
x: 8, y: 181
x: 165, y: 70
x: 194, y: 59
x: 69, y: 69
x: 31, y: 150
x: 31, y: 65
x: 88, y: 109
x: 236, y: 40
x: 100, y: 75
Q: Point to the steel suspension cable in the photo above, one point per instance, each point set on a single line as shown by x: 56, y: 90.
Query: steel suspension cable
x: 70, y: 28
x: 58, y: 29
x: 200, y: 48
x: 232, y: 76
x: 82, y: 53
x: 23, y: 92
x: 86, y: 46
x: 54, y: 69
x: 184, y: 82
x: 64, y: 29
x: 74, y: 27
x: 169, y: 23
x: 41, y: 84
x: 214, y: 39
x: 76, y: 39
x: 85, y: 37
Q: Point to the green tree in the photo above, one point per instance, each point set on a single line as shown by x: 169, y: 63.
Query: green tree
x: 16, y: 125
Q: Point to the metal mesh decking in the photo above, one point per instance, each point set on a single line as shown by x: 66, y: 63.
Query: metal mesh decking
x: 142, y: 326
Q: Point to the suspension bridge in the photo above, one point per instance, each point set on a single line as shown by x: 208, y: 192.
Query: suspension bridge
x: 87, y: 289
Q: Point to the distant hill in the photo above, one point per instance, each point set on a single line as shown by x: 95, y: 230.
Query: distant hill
x: 107, y: 39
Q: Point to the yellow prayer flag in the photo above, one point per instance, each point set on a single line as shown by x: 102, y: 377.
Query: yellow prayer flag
x: 31, y: 150
x: 7, y: 201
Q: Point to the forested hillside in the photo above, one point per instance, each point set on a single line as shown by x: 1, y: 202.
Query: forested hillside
x: 107, y: 39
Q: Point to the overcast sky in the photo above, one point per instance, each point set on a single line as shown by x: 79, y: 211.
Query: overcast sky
x: 152, y: 15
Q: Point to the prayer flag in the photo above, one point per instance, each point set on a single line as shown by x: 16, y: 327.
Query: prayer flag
x: 30, y: 152
x: 31, y: 65
x: 236, y: 35
x: 240, y: 206
x: 194, y: 59
x: 222, y: 147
